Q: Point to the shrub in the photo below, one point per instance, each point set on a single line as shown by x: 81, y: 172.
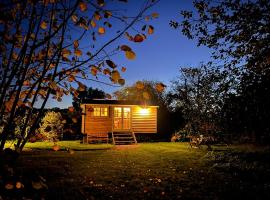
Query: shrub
x: 51, y: 126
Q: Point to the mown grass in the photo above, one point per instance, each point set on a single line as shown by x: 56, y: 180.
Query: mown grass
x: 75, y: 145
x: 150, y: 171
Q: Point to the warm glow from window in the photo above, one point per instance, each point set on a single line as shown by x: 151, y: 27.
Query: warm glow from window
x: 100, y: 112
x: 144, y: 111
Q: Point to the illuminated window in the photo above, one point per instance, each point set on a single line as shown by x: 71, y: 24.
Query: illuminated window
x: 100, y: 112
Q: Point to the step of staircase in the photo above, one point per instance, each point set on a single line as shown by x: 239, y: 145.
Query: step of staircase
x: 124, y: 138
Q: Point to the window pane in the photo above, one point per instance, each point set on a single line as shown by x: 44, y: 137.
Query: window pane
x: 126, y: 112
x: 104, y: 112
x: 97, y: 112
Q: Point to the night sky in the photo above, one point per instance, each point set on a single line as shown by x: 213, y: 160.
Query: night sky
x: 160, y: 56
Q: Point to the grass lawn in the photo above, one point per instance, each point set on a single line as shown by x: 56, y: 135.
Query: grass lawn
x: 149, y: 171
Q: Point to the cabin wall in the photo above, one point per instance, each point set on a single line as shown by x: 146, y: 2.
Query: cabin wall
x: 144, y: 123
x: 97, y: 124
x: 140, y: 123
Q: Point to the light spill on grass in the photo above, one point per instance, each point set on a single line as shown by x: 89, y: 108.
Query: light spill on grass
x: 75, y: 145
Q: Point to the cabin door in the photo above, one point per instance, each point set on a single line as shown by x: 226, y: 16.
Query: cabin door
x: 121, y: 119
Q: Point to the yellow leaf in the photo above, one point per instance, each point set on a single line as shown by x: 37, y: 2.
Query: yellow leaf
x: 146, y: 95
x: 115, y: 76
x: 78, y: 52
x: 53, y: 85
x: 66, y: 53
x: 74, y: 18
x: 76, y: 44
x: 43, y: 25
x: 155, y: 15
x: 130, y: 55
x: 83, y: 6
x: 93, y: 23
x: 101, y: 30
x: 150, y: 30
x: 139, y: 85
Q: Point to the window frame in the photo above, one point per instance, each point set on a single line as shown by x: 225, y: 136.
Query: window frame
x: 100, y: 112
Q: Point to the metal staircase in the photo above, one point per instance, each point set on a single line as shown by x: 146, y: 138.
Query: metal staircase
x: 124, y: 138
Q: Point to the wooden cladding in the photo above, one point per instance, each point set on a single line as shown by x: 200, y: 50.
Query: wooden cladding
x: 142, y: 120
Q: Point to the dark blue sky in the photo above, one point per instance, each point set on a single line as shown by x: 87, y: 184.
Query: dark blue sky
x: 160, y: 56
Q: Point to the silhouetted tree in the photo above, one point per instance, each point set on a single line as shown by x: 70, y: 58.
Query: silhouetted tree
x: 239, y: 34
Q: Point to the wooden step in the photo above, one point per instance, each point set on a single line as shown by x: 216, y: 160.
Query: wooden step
x: 124, y: 138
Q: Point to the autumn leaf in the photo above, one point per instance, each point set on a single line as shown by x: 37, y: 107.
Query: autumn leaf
x: 123, y: 69
x: 101, y: 30
x: 94, y: 70
x: 107, y: 14
x: 121, y: 81
x: 76, y: 44
x: 26, y: 83
x: 155, y: 15
x: 125, y: 48
x: 74, y: 18
x: 74, y: 120
x: 139, y: 85
x: 71, y: 78
x: 146, y: 95
x: 97, y: 16
x: 66, y: 53
x: 56, y: 147
x: 53, y: 85
x: 93, y: 23
x: 129, y: 37
x: 78, y: 52
x: 83, y: 6
x: 138, y: 38
x: 160, y: 87
x: 150, y: 30
x: 111, y: 64
x: 70, y: 151
x: 100, y: 2
x: 106, y: 71
x: 115, y: 76
x: 130, y: 55
x: 71, y: 109
x: 19, y: 185
x: 82, y: 87
x: 107, y: 24
x: 43, y: 25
